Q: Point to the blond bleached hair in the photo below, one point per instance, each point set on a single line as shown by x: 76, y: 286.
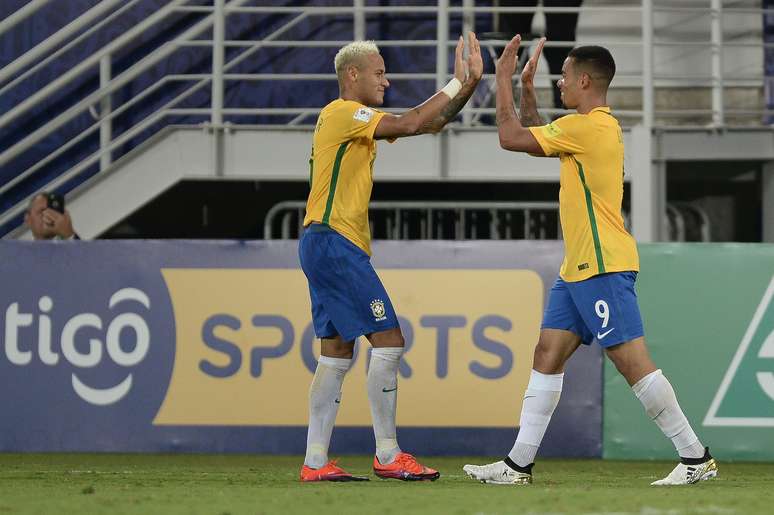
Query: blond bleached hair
x: 352, y: 54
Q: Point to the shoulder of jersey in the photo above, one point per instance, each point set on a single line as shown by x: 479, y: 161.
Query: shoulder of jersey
x: 335, y: 104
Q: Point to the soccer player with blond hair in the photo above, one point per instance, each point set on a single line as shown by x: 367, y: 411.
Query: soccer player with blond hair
x: 348, y: 299
x: 594, y: 298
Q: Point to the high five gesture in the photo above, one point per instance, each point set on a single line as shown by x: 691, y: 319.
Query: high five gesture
x: 471, y: 68
x: 528, y: 102
x: 512, y: 131
x: 528, y: 74
x: 431, y: 115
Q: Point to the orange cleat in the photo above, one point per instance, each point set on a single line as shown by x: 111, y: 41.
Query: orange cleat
x: 405, y: 467
x: 330, y: 472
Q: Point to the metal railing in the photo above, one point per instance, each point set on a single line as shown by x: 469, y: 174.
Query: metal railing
x: 427, y: 220
x: 216, y: 117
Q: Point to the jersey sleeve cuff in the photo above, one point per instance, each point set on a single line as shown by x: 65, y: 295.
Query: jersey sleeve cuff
x: 375, y: 123
x: 537, y: 132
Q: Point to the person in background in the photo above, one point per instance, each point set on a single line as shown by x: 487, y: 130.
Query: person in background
x: 48, y: 219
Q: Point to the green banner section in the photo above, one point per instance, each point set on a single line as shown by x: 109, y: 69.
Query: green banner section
x: 709, y: 324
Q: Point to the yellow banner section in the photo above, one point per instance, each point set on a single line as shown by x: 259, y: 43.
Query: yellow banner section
x: 244, y: 345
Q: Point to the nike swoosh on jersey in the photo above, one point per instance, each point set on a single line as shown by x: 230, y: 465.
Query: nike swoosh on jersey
x: 385, y: 390
x: 602, y: 335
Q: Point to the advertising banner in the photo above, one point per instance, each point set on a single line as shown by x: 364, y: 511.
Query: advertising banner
x: 208, y: 347
x: 709, y: 324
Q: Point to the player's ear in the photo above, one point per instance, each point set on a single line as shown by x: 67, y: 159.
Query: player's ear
x: 352, y: 72
x: 585, y: 80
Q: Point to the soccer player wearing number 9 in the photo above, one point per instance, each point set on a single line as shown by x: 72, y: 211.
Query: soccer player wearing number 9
x: 594, y: 298
x: 348, y: 299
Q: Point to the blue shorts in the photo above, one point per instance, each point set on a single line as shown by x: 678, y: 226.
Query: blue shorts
x: 348, y: 299
x: 603, y: 308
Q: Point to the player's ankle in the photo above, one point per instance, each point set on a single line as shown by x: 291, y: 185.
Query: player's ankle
x: 518, y: 468
x: 696, y: 461
x: 386, y: 457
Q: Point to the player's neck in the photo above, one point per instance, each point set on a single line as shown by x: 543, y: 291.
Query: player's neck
x: 350, y: 95
x: 588, y: 104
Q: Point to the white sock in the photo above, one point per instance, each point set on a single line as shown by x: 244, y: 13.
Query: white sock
x: 383, y: 397
x: 540, y: 400
x: 324, y: 400
x: 658, y: 397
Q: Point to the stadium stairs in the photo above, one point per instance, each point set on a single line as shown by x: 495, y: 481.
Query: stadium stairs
x: 154, y: 87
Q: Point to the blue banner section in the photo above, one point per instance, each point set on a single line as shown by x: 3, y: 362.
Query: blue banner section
x: 148, y: 346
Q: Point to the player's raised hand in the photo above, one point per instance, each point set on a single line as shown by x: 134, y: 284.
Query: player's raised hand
x: 528, y: 74
x: 475, y: 62
x: 460, y: 66
x: 506, y: 64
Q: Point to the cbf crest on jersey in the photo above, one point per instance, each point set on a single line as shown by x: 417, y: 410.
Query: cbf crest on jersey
x: 377, y: 308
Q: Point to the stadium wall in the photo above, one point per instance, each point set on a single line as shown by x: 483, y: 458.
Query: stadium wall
x: 151, y: 346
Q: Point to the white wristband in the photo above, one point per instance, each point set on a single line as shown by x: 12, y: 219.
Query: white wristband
x: 452, y: 88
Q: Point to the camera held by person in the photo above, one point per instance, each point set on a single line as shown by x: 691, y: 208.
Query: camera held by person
x: 48, y: 219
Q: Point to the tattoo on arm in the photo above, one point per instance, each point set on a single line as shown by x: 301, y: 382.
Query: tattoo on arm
x: 528, y: 109
x: 505, y: 113
x: 454, y: 106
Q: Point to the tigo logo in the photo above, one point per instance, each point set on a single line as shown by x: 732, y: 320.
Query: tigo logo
x: 104, y: 341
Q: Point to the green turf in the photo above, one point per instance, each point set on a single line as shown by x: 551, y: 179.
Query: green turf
x: 206, y: 484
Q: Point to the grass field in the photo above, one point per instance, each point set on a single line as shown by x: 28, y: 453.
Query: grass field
x: 206, y: 484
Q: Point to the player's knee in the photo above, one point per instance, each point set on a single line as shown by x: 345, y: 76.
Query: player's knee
x: 389, y: 338
x: 547, y: 360
x: 632, y: 367
x: 335, y: 348
x: 622, y: 365
x: 395, y: 340
x: 340, y: 353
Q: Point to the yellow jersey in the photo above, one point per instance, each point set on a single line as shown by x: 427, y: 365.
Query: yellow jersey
x: 341, y: 170
x: 591, y: 153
